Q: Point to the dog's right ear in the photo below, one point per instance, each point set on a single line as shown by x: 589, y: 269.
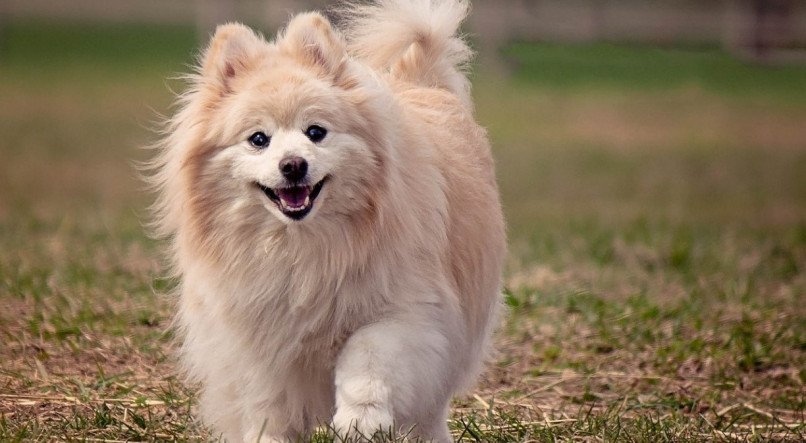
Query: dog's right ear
x: 233, y: 51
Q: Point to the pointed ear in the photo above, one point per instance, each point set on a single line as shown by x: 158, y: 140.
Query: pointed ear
x: 233, y: 50
x: 311, y: 37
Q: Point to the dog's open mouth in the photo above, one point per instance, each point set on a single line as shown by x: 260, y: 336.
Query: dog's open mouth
x: 295, y: 201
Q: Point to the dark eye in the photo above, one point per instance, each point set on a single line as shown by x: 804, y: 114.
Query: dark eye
x: 259, y: 140
x: 315, y: 133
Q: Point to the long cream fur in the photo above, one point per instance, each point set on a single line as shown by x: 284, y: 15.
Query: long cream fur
x: 376, y: 307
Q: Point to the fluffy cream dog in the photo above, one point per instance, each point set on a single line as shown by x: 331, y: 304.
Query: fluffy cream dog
x: 335, y: 223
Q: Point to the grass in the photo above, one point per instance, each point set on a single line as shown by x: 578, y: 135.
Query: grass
x: 652, y: 68
x: 657, y: 209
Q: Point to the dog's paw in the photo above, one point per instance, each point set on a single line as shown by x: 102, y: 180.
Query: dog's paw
x: 362, y: 422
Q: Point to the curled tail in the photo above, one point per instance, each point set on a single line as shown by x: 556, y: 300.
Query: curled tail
x: 414, y: 40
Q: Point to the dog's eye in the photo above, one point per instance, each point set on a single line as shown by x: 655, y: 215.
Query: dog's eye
x: 259, y: 139
x: 315, y: 133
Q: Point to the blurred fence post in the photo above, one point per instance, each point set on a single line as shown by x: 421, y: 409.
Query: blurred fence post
x: 763, y: 30
x: 489, y: 25
x: 278, y: 12
x: 599, y: 20
x: 211, y: 13
x: 3, y: 19
x: 770, y: 19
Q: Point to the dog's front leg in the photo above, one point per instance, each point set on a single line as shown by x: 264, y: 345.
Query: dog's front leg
x: 396, y: 373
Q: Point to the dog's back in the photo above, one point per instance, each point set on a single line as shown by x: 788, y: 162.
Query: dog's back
x: 417, y: 46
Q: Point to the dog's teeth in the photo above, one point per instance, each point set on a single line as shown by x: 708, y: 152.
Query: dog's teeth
x: 307, y: 202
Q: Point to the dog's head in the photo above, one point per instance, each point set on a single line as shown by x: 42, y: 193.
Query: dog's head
x: 282, y: 132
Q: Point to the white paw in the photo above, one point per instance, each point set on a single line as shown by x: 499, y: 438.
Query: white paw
x: 362, y: 421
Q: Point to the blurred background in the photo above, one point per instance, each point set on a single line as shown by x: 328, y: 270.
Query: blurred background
x: 759, y: 28
x: 670, y: 109
x: 651, y: 156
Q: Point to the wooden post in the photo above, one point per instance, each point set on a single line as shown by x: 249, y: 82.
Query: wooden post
x: 211, y: 13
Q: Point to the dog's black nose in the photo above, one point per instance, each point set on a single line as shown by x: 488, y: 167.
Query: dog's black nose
x: 294, y: 168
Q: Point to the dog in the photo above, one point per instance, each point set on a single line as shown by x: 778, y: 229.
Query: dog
x: 334, y: 222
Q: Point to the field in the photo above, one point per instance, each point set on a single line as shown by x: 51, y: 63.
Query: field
x: 656, y: 203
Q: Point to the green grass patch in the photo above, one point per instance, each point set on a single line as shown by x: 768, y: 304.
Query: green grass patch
x: 650, y: 68
x: 53, y: 49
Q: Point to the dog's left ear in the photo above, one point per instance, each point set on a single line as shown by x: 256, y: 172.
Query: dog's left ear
x: 311, y: 37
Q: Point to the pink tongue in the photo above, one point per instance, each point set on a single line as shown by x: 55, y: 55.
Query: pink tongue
x: 294, y: 196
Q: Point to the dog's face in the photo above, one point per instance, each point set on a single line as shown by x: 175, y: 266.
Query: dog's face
x: 289, y: 148
x: 289, y: 135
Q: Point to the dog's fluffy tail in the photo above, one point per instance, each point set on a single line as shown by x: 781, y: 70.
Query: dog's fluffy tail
x: 414, y: 40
